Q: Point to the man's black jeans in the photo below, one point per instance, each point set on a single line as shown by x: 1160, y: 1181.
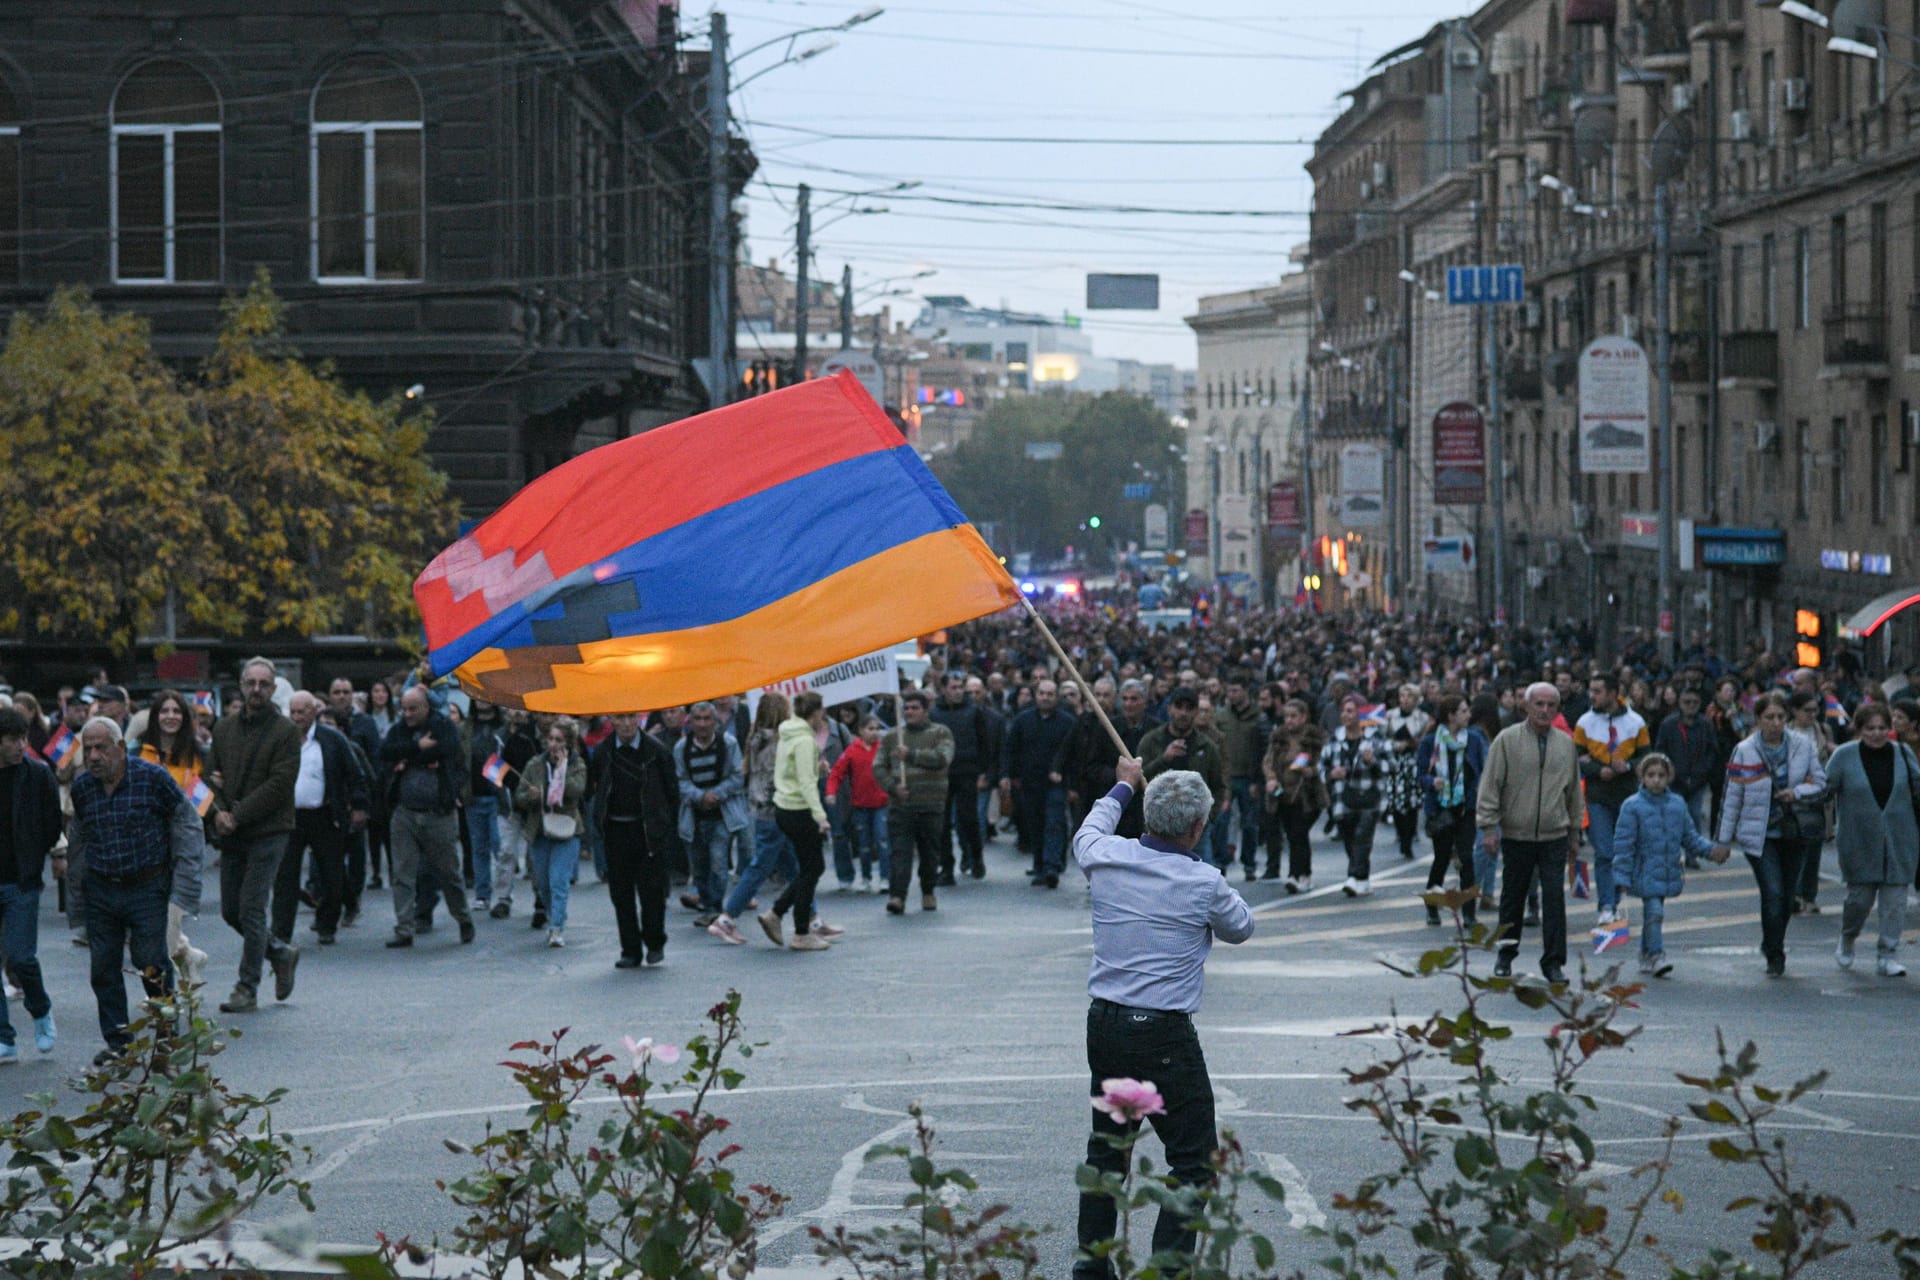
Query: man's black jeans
x: 1163, y: 1048
x: 1523, y: 860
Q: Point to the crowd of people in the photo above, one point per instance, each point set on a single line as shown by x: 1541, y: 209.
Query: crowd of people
x: 1533, y: 770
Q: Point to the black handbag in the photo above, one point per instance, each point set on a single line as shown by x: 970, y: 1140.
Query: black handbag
x: 1809, y: 820
x: 1442, y: 823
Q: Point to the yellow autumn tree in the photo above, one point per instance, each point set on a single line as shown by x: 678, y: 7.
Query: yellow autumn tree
x: 100, y: 491
x: 324, y: 502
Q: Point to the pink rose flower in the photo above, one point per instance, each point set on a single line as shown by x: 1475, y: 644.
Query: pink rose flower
x: 1128, y: 1101
x: 644, y: 1050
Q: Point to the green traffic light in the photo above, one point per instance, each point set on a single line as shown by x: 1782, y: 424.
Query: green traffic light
x: 1093, y: 522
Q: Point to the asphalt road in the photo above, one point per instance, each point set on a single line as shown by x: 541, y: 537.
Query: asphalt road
x: 976, y: 1011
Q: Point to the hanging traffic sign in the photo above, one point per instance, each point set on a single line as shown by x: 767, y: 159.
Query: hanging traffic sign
x: 1479, y: 286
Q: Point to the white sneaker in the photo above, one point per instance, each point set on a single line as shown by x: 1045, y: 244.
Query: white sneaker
x: 1843, y: 955
x: 1891, y: 968
x: 555, y: 938
x: 1364, y: 888
x: 1351, y: 887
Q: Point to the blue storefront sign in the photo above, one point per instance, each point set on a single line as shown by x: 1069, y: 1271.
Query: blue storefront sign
x: 1727, y: 547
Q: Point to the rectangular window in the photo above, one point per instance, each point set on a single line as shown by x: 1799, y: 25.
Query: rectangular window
x: 1769, y: 306
x: 166, y: 203
x: 1880, y: 479
x: 367, y: 182
x: 1837, y: 261
x: 1802, y: 278
x: 1877, y: 257
x: 1837, y: 462
x: 1737, y: 287
x: 1770, y: 97
x: 1679, y: 469
x: 9, y: 203
x: 1803, y: 468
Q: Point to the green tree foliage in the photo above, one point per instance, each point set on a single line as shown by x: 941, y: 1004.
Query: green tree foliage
x: 1040, y: 506
x: 268, y: 498
x: 329, y: 493
x: 100, y: 496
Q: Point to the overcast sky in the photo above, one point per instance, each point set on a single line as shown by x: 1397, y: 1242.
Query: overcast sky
x: 1069, y: 72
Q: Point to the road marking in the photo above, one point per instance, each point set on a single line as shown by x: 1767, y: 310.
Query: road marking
x: 1302, y: 1211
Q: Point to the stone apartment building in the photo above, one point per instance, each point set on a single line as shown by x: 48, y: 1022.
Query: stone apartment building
x: 1794, y: 190
x: 1244, y: 430
x: 501, y: 202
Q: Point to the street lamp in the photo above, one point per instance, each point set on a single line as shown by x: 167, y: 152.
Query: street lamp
x: 790, y: 38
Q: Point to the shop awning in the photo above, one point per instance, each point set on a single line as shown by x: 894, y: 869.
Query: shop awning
x: 1868, y: 618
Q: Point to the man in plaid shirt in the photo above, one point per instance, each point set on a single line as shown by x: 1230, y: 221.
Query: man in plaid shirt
x: 1354, y: 765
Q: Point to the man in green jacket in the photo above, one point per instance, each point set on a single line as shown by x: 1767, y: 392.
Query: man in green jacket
x: 1239, y: 723
x: 912, y: 764
x: 253, y: 766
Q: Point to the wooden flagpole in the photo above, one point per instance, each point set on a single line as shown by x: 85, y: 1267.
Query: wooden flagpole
x: 1086, y: 690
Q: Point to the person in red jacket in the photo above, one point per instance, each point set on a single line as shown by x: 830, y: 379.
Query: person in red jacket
x: 854, y: 768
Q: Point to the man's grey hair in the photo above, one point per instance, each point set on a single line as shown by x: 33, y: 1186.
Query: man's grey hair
x: 1543, y: 686
x: 1177, y: 802
x: 258, y: 661
x: 1133, y: 686
x: 102, y: 722
x: 708, y: 707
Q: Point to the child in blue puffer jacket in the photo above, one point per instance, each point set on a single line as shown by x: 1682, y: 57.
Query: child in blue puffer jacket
x: 1655, y: 833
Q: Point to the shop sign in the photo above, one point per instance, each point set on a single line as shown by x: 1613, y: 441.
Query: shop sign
x: 1856, y: 562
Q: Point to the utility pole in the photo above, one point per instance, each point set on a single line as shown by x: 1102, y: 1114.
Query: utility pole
x: 719, y: 215
x: 1306, y: 446
x: 846, y: 306
x: 1393, y: 494
x: 800, y: 290
x: 1663, y: 369
x: 1497, y: 455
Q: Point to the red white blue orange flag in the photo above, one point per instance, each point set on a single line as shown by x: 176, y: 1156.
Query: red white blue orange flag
x: 60, y: 748
x: 732, y: 550
x: 199, y: 795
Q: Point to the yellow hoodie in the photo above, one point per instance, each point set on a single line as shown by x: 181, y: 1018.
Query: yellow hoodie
x: 796, y: 769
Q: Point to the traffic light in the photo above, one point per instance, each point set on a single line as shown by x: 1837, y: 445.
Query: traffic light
x: 1093, y: 522
x: 1808, y: 648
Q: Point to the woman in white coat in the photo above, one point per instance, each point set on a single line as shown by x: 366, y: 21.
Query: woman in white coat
x: 1773, y: 776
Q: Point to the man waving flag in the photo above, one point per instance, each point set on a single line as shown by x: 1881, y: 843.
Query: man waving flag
x: 728, y: 551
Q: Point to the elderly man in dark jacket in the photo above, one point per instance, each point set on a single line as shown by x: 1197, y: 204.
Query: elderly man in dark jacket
x: 632, y: 775
x: 329, y: 808
x: 427, y: 766
x: 253, y: 765
x: 29, y: 829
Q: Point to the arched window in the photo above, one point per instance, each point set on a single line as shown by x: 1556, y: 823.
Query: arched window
x: 9, y: 186
x: 367, y: 168
x: 166, y: 175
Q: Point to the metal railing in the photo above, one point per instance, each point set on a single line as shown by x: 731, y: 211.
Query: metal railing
x: 1754, y: 355
x: 1856, y: 335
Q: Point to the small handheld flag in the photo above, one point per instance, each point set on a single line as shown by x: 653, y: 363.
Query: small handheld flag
x: 730, y: 551
x: 199, y: 795
x: 1302, y: 761
x: 1375, y: 714
x: 1608, y: 936
x: 1835, y: 713
x: 203, y: 700
x: 60, y: 748
x: 1582, y: 881
x: 494, y: 770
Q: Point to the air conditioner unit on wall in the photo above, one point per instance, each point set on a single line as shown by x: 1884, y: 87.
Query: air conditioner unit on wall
x: 1740, y: 126
x: 1682, y: 96
x: 1380, y: 173
x: 1913, y: 428
x: 1466, y: 57
x: 1373, y: 304
x: 1793, y: 94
